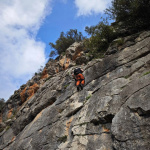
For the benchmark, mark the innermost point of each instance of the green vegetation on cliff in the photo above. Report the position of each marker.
(133, 14)
(102, 35)
(64, 41)
(2, 102)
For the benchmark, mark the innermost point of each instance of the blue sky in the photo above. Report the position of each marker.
(28, 26)
(63, 18)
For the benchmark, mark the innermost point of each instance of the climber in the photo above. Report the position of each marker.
(79, 78)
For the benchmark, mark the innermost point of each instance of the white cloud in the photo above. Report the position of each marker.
(20, 53)
(88, 7)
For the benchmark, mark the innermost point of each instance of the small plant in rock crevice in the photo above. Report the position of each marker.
(88, 97)
(62, 139)
(66, 86)
(146, 73)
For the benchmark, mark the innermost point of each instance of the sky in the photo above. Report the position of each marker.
(27, 27)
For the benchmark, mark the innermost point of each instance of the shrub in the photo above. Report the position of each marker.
(62, 139)
(2, 103)
(101, 36)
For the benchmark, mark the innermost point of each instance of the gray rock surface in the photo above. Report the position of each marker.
(112, 112)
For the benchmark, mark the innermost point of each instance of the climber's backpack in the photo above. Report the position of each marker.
(77, 71)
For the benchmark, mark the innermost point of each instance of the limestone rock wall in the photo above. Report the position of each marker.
(112, 112)
(26, 91)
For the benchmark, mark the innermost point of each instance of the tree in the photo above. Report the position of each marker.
(64, 41)
(132, 13)
(2, 102)
(52, 54)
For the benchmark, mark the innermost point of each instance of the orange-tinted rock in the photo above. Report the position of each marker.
(64, 62)
(13, 138)
(32, 90)
(44, 74)
(66, 65)
(68, 124)
(61, 62)
(77, 54)
(9, 115)
(22, 95)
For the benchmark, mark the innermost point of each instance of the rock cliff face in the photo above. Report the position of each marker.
(112, 112)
